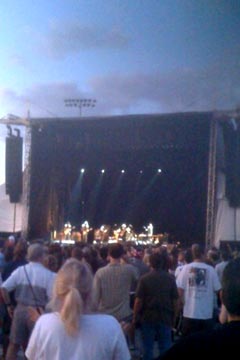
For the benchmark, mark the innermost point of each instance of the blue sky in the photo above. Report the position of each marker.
(132, 56)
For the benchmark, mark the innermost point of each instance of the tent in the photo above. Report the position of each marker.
(10, 214)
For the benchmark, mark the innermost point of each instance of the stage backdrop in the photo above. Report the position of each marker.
(173, 200)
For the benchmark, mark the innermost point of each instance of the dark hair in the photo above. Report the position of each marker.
(225, 254)
(188, 256)
(20, 250)
(8, 253)
(77, 253)
(231, 287)
(103, 251)
(157, 261)
(50, 262)
(116, 251)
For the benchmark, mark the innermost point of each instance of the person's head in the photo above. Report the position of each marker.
(50, 262)
(188, 256)
(20, 250)
(103, 251)
(77, 253)
(231, 287)
(157, 261)
(36, 252)
(72, 293)
(181, 256)
(8, 253)
(116, 251)
(11, 240)
(197, 251)
(225, 255)
(213, 256)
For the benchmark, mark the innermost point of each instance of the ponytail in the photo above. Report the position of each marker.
(72, 293)
(71, 311)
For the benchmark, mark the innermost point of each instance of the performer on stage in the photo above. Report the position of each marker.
(67, 230)
(85, 230)
(150, 230)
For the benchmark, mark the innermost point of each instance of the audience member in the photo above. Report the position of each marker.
(222, 340)
(112, 285)
(156, 306)
(70, 332)
(33, 287)
(225, 257)
(197, 284)
(19, 259)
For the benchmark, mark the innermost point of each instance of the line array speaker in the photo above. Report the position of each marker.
(13, 167)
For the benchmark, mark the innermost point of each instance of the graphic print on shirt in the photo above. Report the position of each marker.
(198, 277)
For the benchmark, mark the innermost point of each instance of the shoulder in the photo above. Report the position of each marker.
(101, 321)
(193, 344)
(45, 318)
(43, 270)
(146, 277)
(129, 267)
(100, 318)
(185, 268)
(102, 270)
(47, 323)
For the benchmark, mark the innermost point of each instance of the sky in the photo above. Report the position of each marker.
(132, 56)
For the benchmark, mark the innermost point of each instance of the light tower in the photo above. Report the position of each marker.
(80, 103)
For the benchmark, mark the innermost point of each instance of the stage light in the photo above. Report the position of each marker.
(82, 171)
(80, 103)
(141, 171)
(102, 171)
(159, 170)
(123, 171)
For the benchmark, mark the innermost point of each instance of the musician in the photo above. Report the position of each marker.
(105, 231)
(67, 230)
(123, 232)
(150, 230)
(85, 230)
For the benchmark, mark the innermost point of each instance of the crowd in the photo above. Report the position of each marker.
(116, 301)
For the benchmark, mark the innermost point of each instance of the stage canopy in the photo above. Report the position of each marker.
(165, 178)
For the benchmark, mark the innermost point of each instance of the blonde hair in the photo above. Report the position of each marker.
(72, 293)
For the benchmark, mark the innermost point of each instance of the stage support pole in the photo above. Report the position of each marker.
(14, 217)
(211, 189)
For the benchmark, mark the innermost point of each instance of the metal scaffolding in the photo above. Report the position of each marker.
(26, 182)
(211, 189)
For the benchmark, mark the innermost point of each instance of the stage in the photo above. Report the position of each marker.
(122, 169)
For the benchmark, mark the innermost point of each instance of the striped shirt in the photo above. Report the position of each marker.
(111, 289)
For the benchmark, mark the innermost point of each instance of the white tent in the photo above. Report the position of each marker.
(10, 214)
(228, 218)
(227, 221)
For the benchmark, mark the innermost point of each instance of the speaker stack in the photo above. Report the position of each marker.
(13, 166)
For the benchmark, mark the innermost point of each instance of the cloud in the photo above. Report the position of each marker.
(69, 38)
(215, 88)
(42, 100)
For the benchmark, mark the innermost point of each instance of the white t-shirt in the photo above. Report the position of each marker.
(178, 270)
(41, 279)
(100, 337)
(199, 282)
